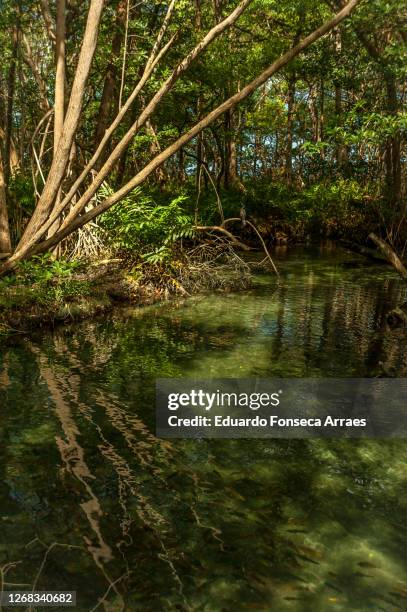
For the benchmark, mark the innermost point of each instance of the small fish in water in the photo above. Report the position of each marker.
(333, 586)
(367, 564)
(362, 575)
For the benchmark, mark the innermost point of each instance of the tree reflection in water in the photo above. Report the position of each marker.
(92, 501)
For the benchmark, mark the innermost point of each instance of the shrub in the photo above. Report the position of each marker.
(140, 226)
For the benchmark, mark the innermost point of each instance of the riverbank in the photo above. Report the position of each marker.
(78, 433)
(48, 292)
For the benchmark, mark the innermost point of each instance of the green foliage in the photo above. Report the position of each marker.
(324, 201)
(364, 128)
(335, 207)
(21, 191)
(42, 268)
(42, 280)
(140, 226)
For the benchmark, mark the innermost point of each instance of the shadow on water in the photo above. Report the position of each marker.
(91, 501)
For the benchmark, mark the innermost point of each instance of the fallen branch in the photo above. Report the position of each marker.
(222, 230)
(260, 238)
(390, 255)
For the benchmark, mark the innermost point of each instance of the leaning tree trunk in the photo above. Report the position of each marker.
(398, 316)
(45, 213)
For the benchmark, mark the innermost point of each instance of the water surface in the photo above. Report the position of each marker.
(91, 501)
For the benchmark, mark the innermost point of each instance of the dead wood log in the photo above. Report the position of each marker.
(398, 316)
(390, 255)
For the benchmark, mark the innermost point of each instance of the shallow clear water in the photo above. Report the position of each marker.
(91, 501)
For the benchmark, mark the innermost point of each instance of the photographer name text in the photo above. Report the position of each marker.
(258, 421)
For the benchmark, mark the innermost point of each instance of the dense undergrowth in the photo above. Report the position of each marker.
(341, 208)
(153, 251)
(49, 291)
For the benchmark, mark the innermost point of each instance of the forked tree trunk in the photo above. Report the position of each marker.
(60, 161)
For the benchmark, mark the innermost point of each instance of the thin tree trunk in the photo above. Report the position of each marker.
(59, 103)
(14, 157)
(5, 242)
(11, 82)
(341, 153)
(289, 142)
(155, 149)
(199, 144)
(181, 166)
(393, 147)
(32, 64)
(112, 74)
(313, 108)
(230, 172)
(48, 21)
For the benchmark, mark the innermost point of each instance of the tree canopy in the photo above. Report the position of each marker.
(284, 102)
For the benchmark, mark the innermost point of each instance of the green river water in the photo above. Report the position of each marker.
(91, 501)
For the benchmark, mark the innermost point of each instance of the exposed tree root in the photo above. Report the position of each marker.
(259, 237)
(234, 240)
